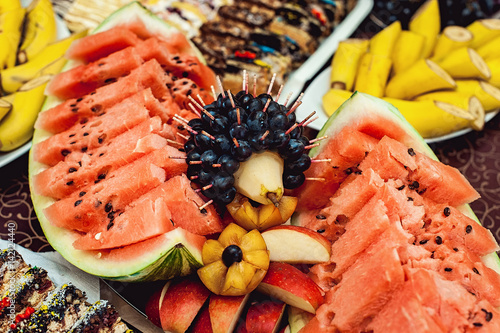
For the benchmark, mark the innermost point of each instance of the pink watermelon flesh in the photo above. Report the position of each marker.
(91, 207)
(139, 221)
(345, 150)
(86, 78)
(177, 64)
(177, 192)
(66, 114)
(93, 134)
(81, 169)
(100, 45)
(379, 271)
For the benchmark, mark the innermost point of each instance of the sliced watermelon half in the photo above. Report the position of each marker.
(174, 253)
(378, 118)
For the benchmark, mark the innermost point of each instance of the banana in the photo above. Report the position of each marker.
(17, 127)
(427, 22)
(465, 63)
(10, 34)
(488, 95)
(333, 99)
(483, 31)
(383, 42)
(452, 37)
(13, 78)
(345, 62)
(8, 5)
(373, 72)
(40, 29)
(424, 76)
(432, 118)
(407, 50)
(5, 106)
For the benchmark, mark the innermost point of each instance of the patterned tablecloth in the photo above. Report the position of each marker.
(476, 154)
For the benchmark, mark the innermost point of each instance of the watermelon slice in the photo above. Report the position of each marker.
(408, 236)
(92, 182)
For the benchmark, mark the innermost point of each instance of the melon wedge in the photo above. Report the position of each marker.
(174, 253)
(377, 118)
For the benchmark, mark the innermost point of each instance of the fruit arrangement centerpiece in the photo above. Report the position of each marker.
(139, 173)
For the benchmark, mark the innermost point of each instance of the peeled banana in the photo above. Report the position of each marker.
(13, 78)
(17, 126)
(40, 30)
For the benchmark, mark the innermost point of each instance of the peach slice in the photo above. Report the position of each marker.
(293, 244)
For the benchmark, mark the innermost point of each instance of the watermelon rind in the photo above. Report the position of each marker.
(136, 11)
(361, 106)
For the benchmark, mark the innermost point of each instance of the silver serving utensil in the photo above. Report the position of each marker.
(129, 313)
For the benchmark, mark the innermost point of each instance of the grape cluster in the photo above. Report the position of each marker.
(230, 130)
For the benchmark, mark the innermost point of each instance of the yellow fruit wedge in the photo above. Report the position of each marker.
(431, 118)
(407, 50)
(427, 22)
(424, 76)
(373, 73)
(494, 66)
(333, 99)
(452, 38)
(464, 101)
(490, 50)
(383, 42)
(488, 95)
(483, 31)
(345, 62)
(465, 63)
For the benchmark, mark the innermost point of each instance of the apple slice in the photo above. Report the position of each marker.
(225, 312)
(297, 318)
(181, 303)
(265, 316)
(294, 244)
(202, 324)
(152, 309)
(288, 284)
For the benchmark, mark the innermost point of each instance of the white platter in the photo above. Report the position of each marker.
(298, 78)
(6, 158)
(312, 101)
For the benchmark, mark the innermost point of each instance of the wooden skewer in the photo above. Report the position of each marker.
(196, 112)
(195, 102)
(195, 162)
(310, 121)
(177, 157)
(318, 139)
(291, 128)
(307, 118)
(236, 143)
(266, 133)
(202, 102)
(288, 98)
(208, 134)
(209, 115)
(267, 105)
(321, 160)
(255, 85)
(216, 165)
(230, 98)
(213, 92)
(246, 82)
(183, 136)
(244, 79)
(193, 177)
(207, 187)
(175, 142)
(271, 84)
(311, 146)
(206, 204)
(279, 93)
(184, 120)
(219, 83)
(318, 179)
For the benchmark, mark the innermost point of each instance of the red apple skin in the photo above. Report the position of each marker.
(265, 316)
(202, 323)
(181, 303)
(225, 312)
(152, 309)
(282, 278)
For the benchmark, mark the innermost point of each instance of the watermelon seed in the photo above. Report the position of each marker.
(432, 254)
(96, 108)
(83, 121)
(74, 110)
(341, 219)
(110, 80)
(488, 315)
(321, 217)
(320, 231)
(455, 249)
(65, 152)
(176, 58)
(439, 240)
(100, 64)
(111, 215)
(468, 229)
(77, 202)
(72, 142)
(101, 154)
(71, 170)
(411, 152)
(81, 194)
(101, 138)
(72, 105)
(84, 149)
(423, 241)
(71, 135)
(448, 269)
(70, 183)
(98, 203)
(110, 224)
(80, 163)
(401, 188)
(414, 185)
(108, 207)
(171, 221)
(410, 199)
(446, 211)
(85, 134)
(422, 191)
(474, 269)
(185, 74)
(335, 167)
(79, 99)
(477, 324)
